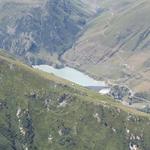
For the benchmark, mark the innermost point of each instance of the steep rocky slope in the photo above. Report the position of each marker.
(40, 30)
(41, 112)
(116, 45)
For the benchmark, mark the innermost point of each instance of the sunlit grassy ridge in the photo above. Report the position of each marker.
(41, 111)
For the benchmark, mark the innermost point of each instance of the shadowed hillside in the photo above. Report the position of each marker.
(38, 31)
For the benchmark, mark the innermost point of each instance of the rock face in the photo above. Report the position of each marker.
(51, 26)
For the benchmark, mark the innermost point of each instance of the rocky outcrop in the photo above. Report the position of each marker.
(120, 92)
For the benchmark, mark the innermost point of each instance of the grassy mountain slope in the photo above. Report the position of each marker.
(116, 45)
(41, 112)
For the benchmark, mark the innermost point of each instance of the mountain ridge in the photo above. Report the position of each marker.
(40, 111)
(107, 39)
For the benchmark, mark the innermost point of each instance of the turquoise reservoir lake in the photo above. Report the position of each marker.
(72, 75)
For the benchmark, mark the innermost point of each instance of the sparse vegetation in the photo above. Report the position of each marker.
(115, 45)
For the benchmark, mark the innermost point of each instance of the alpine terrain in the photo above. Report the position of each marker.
(104, 43)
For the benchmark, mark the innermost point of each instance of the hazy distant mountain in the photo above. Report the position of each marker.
(116, 45)
(36, 29)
